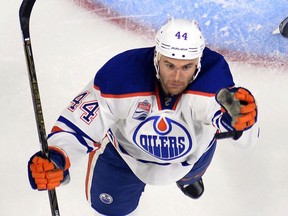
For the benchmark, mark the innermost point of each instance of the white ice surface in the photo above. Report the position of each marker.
(69, 45)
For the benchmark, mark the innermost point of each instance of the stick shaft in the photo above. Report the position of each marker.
(24, 15)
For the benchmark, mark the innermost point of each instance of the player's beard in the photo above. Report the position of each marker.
(172, 88)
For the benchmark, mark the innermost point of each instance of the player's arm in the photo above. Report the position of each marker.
(78, 131)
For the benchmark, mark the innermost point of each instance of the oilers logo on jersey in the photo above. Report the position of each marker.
(168, 139)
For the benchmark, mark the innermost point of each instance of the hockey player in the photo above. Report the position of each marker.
(149, 116)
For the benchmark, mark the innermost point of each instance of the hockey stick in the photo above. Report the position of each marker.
(224, 135)
(24, 15)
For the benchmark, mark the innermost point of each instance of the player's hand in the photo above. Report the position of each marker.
(238, 107)
(47, 174)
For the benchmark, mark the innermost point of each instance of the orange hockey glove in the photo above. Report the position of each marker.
(47, 174)
(238, 107)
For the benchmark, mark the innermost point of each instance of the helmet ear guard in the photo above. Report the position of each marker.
(179, 39)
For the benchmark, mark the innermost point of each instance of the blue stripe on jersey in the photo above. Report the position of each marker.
(215, 118)
(79, 134)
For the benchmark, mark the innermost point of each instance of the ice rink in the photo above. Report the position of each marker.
(69, 45)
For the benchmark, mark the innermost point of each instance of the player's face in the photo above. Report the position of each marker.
(176, 74)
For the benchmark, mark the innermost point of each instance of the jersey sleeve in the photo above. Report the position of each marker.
(214, 76)
(83, 124)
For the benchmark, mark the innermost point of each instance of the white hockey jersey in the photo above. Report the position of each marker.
(153, 134)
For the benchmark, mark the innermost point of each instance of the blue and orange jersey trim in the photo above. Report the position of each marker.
(128, 95)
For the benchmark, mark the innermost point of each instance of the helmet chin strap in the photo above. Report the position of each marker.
(157, 57)
(197, 70)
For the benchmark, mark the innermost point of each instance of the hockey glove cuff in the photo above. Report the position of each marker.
(47, 174)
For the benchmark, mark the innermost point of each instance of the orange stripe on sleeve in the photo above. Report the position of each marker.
(56, 129)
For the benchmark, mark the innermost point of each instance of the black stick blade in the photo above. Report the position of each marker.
(283, 27)
(24, 16)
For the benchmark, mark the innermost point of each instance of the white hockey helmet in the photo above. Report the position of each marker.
(179, 39)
